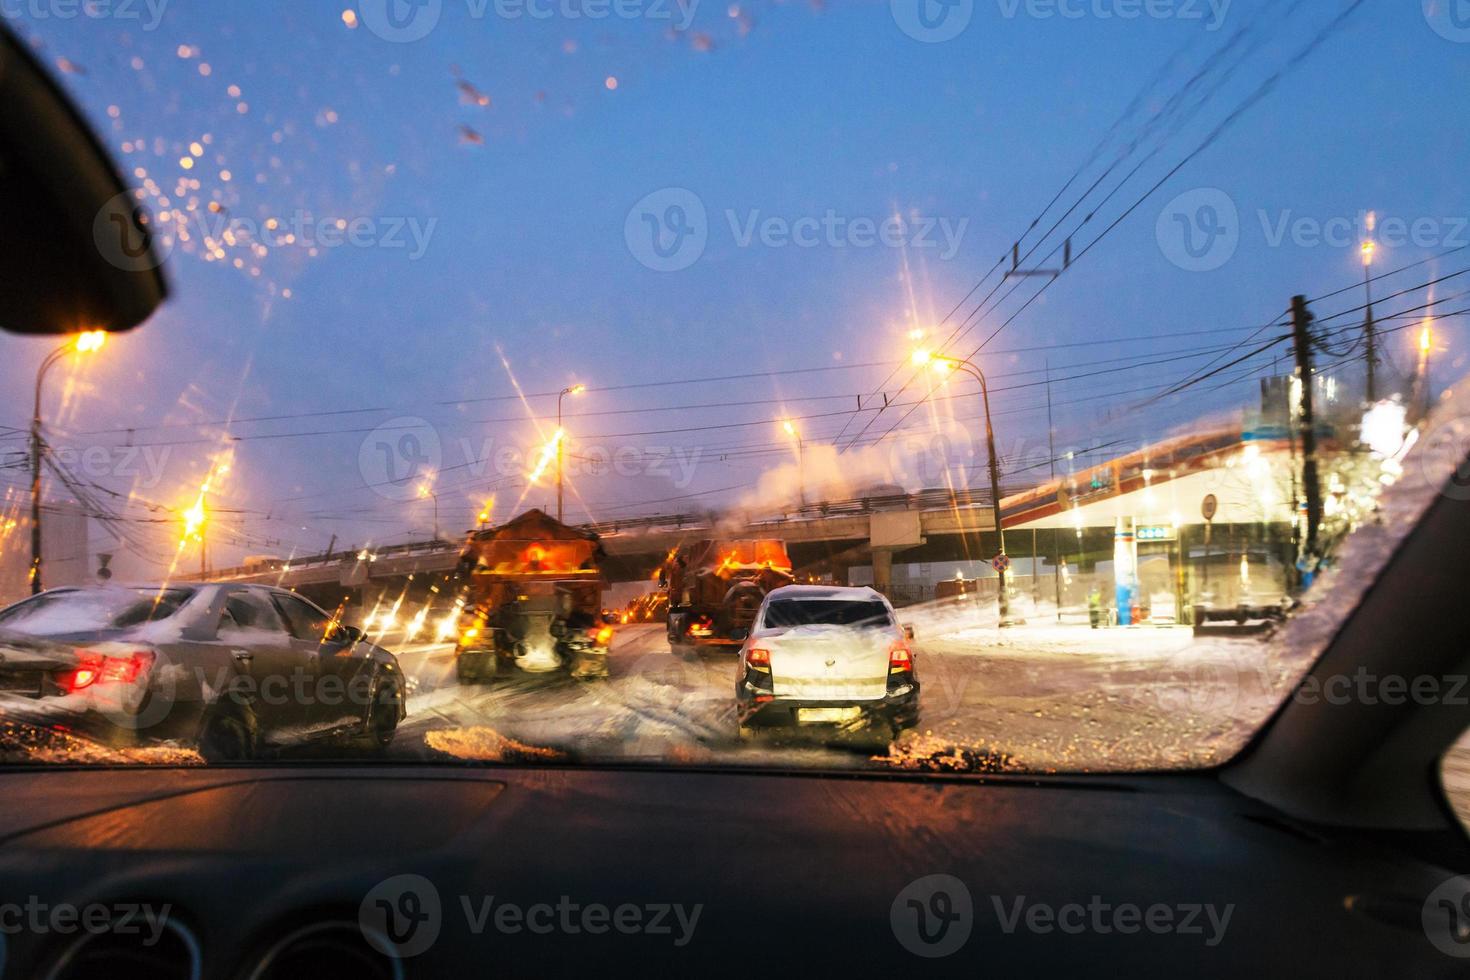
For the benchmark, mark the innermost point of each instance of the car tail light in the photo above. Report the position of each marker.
(73, 681)
(128, 668)
(112, 669)
(601, 637)
(900, 657)
(758, 657)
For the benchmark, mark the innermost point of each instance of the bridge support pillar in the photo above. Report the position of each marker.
(883, 571)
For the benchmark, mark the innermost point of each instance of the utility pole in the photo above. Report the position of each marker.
(1051, 451)
(1301, 327)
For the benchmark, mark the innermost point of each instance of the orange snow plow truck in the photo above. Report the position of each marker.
(532, 599)
(716, 587)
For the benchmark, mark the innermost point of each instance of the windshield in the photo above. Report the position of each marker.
(783, 613)
(65, 611)
(509, 345)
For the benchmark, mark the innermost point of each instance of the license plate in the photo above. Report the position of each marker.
(827, 716)
(22, 684)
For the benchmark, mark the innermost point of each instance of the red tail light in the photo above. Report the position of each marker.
(75, 680)
(94, 667)
(900, 657)
(602, 637)
(758, 657)
(127, 669)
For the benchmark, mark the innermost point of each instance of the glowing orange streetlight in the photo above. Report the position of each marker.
(426, 492)
(789, 427)
(1424, 395)
(196, 518)
(1369, 250)
(940, 363)
(576, 389)
(88, 342)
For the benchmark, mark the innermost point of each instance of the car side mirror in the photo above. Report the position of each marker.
(739, 635)
(908, 632)
(346, 635)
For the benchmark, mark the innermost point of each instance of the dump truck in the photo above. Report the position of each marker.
(715, 587)
(532, 600)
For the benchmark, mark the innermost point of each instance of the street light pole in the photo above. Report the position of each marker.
(561, 441)
(961, 364)
(795, 433)
(1423, 399)
(427, 492)
(85, 343)
(1370, 332)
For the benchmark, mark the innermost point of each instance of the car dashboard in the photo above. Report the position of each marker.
(342, 871)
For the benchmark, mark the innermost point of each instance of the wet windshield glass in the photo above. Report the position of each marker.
(536, 349)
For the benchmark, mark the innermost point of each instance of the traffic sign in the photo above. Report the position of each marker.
(1001, 563)
(1210, 507)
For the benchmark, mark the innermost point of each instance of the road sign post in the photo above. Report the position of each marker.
(1208, 509)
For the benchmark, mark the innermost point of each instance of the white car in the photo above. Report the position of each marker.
(827, 659)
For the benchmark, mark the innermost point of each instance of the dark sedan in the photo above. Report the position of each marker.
(235, 670)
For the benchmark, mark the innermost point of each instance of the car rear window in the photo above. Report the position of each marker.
(58, 613)
(784, 613)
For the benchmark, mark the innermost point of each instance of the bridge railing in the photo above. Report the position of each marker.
(856, 506)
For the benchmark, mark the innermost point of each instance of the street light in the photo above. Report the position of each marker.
(1425, 399)
(196, 518)
(791, 430)
(925, 358)
(561, 444)
(1370, 248)
(196, 523)
(86, 343)
(426, 492)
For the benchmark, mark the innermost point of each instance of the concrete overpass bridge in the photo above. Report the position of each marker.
(1072, 517)
(824, 540)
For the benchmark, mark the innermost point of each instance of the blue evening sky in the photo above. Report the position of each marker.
(761, 110)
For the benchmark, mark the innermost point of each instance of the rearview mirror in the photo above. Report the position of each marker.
(77, 248)
(908, 632)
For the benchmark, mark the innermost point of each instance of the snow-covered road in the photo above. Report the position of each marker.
(1034, 697)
